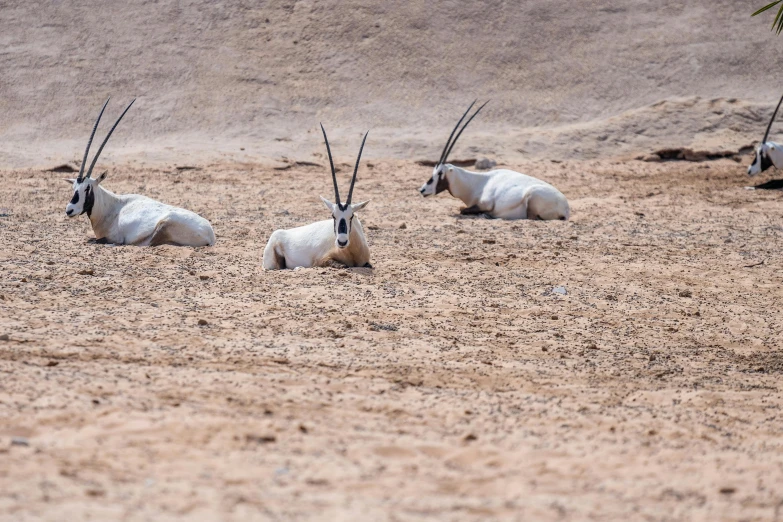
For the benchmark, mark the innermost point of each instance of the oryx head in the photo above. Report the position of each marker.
(84, 185)
(762, 160)
(438, 182)
(342, 214)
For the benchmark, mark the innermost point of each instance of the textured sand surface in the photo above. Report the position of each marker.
(449, 382)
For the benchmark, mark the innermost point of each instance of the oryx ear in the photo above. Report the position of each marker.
(328, 204)
(359, 206)
(101, 177)
(70, 180)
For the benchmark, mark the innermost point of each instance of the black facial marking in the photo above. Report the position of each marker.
(75, 198)
(766, 161)
(89, 201)
(429, 181)
(342, 228)
(443, 184)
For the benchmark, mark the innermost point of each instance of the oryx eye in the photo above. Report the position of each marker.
(429, 181)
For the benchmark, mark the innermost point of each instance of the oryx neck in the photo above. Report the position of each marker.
(464, 184)
(104, 211)
(775, 154)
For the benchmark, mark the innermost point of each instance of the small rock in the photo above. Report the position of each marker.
(469, 437)
(728, 490)
(24, 279)
(50, 262)
(560, 290)
(686, 293)
(52, 363)
(303, 429)
(203, 277)
(261, 439)
(485, 164)
(87, 271)
(5, 337)
(403, 226)
(489, 241)
(202, 322)
(20, 441)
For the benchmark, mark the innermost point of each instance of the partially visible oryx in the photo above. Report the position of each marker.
(132, 219)
(768, 154)
(338, 242)
(498, 193)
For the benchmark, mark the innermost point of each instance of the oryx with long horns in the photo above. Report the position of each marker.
(768, 154)
(131, 219)
(500, 193)
(338, 242)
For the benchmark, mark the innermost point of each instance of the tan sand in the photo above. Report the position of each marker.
(448, 383)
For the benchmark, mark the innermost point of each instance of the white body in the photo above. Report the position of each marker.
(314, 245)
(503, 194)
(132, 219)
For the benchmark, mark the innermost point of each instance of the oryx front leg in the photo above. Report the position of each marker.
(472, 210)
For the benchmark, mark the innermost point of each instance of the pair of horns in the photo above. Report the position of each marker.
(334, 175)
(81, 176)
(450, 144)
(766, 134)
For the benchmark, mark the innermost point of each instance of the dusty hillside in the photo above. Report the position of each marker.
(215, 78)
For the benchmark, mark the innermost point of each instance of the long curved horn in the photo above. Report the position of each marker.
(766, 134)
(79, 178)
(446, 147)
(95, 159)
(462, 129)
(356, 169)
(331, 164)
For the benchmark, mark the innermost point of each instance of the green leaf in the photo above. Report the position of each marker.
(766, 7)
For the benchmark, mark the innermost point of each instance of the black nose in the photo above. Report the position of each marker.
(342, 243)
(68, 212)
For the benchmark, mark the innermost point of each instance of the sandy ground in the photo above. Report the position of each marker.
(449, 382)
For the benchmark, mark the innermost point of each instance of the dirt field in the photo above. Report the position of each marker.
(449, 382)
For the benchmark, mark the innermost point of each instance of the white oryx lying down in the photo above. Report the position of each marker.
(338, 242)
(132, 219)
(501, 193)
(768, 154)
